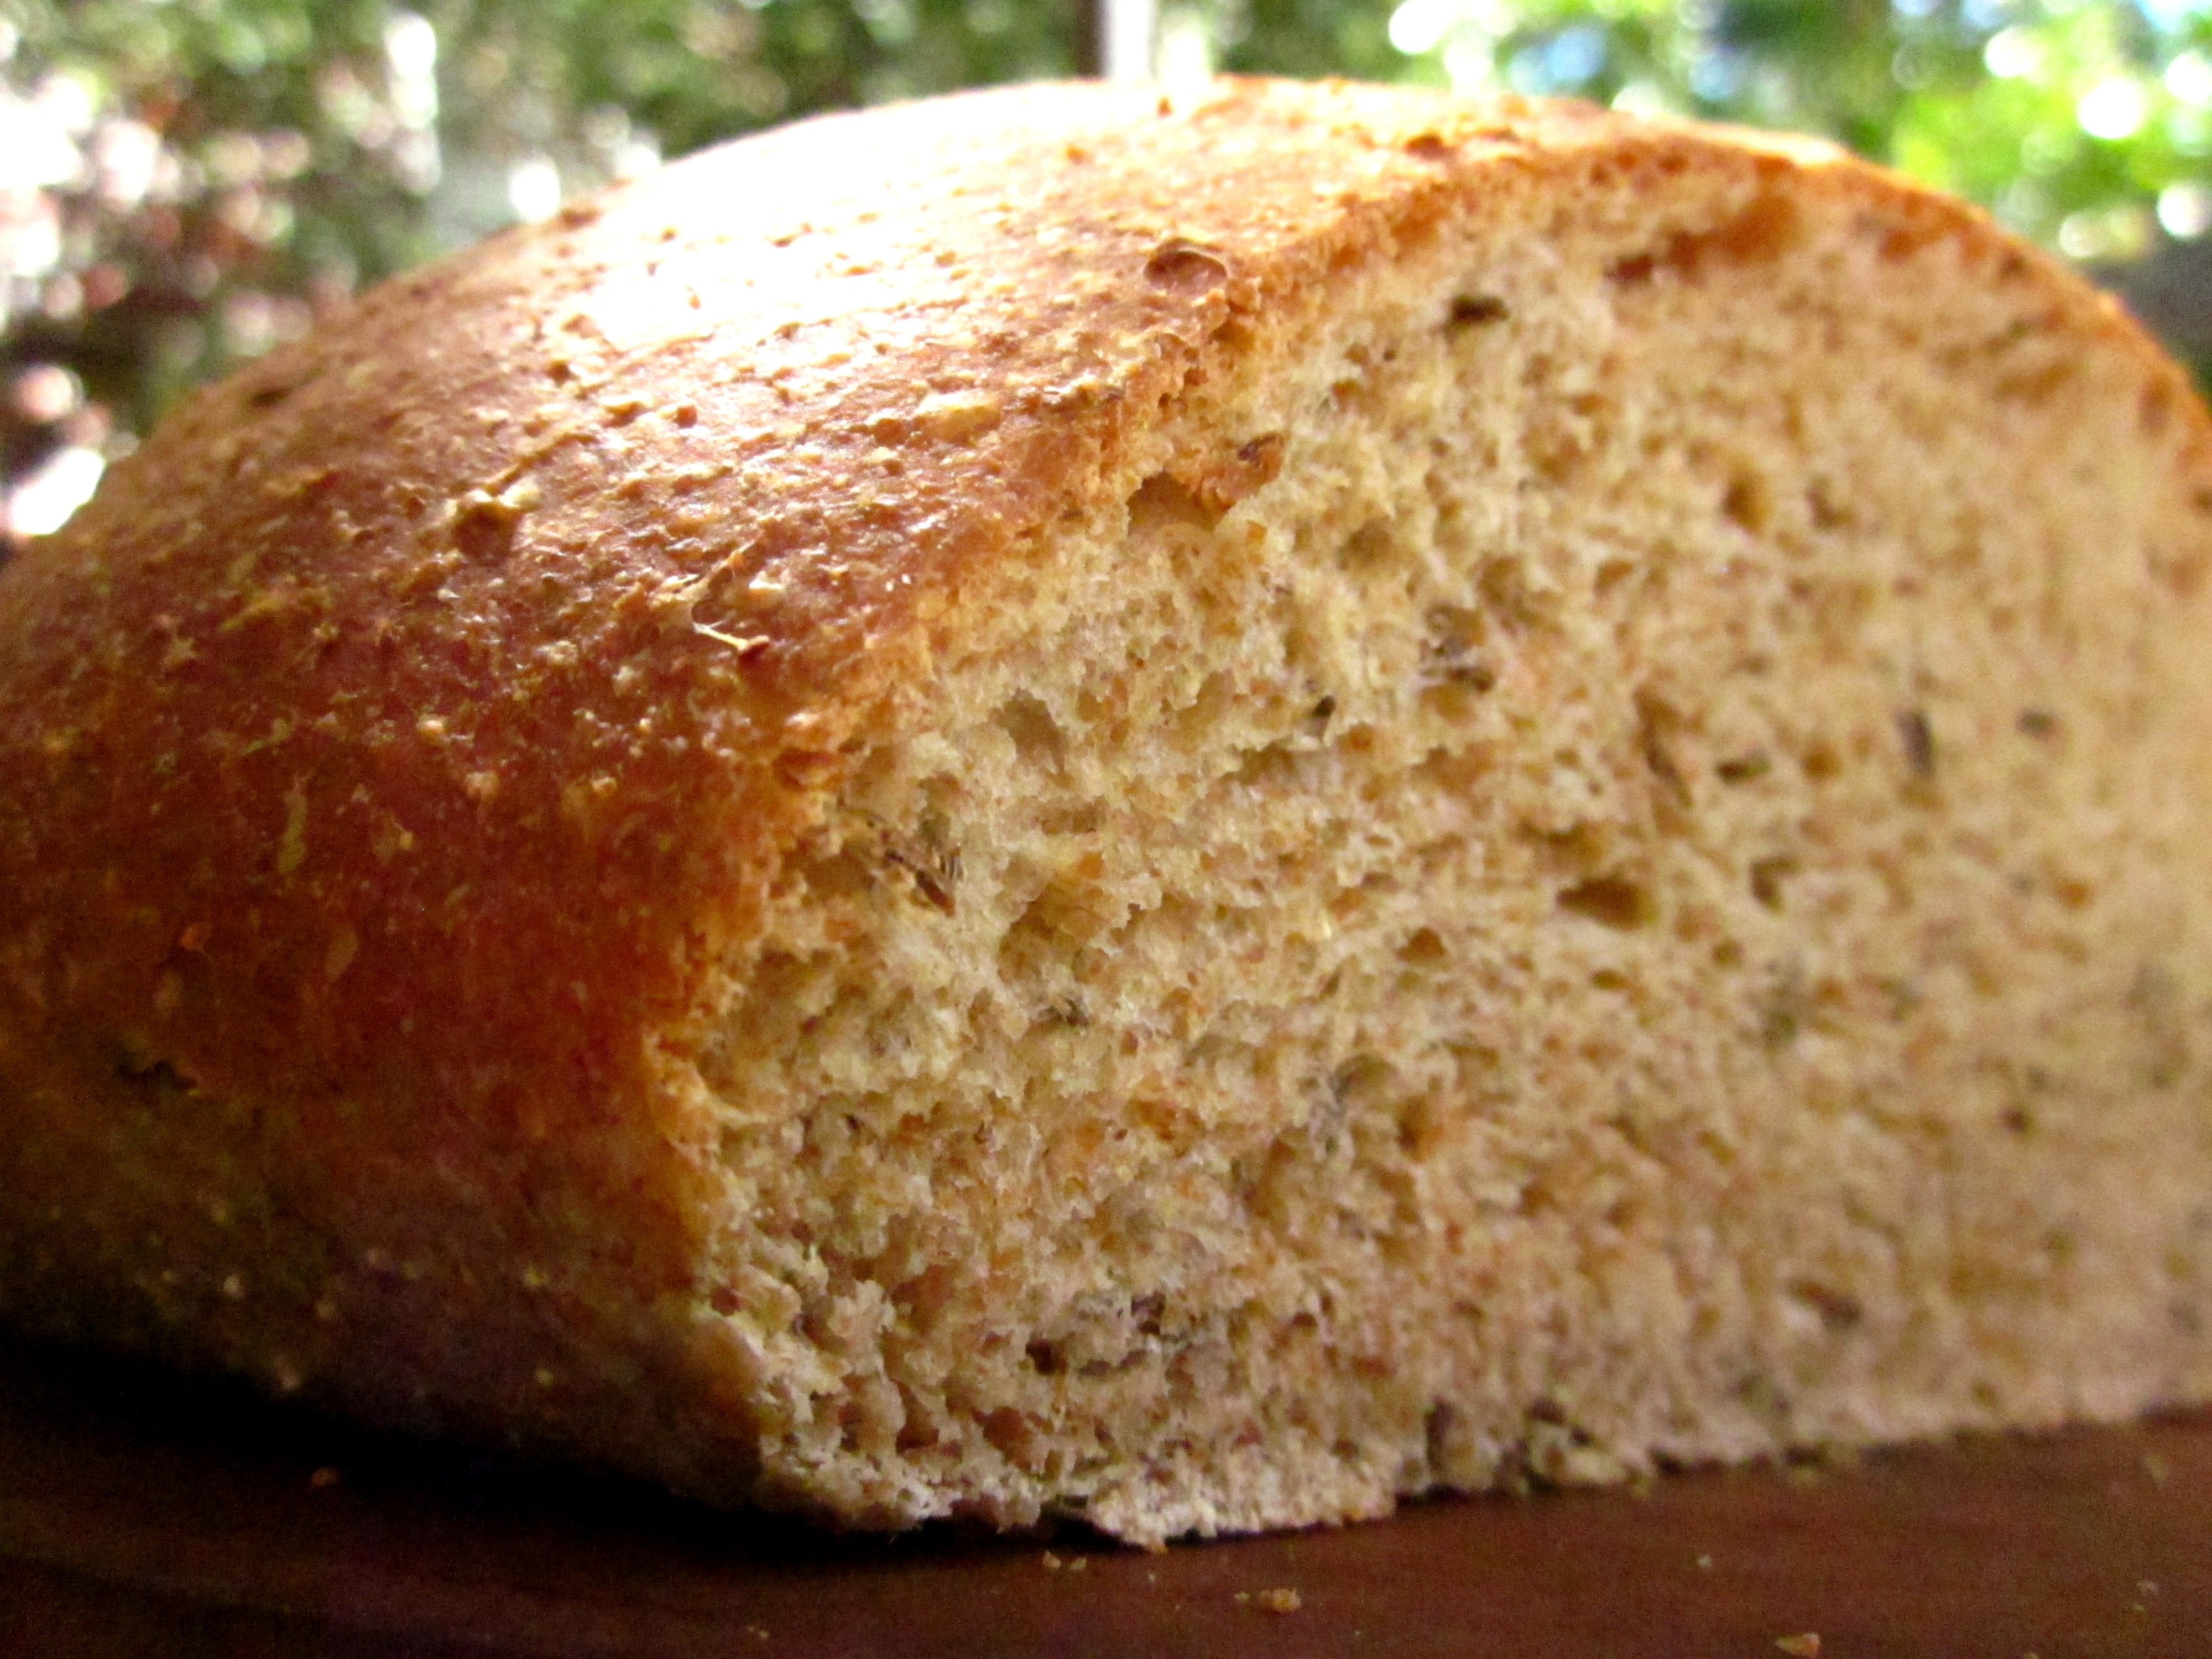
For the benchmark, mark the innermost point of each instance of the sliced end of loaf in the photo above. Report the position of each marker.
(1597, 859)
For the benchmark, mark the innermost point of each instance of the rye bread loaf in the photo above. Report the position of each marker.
(1195, 811)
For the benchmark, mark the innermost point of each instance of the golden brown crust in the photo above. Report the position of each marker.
(391, 752)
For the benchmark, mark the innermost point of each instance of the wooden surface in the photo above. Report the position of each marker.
(143, 1516)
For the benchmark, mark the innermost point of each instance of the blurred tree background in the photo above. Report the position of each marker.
(184, 183)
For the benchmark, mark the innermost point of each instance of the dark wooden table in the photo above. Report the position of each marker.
(140, 1514)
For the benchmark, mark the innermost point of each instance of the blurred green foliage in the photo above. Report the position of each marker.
(185, 182)
(2082, 122)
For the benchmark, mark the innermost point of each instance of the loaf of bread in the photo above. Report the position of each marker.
(1191, 812)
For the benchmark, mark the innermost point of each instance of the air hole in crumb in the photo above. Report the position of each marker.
(1745, 767)
(1784, 1009)
(917, 1432)
(1146, 1311)
(1374, 542)
(1918, 738)
(1037, 737)
(1475, 310)
(1826, 511)
(1010, 1430)
(1748, 503)
(1164, 500)
(1199, 723)
(1581, 849)
(1065, 916)
(1767, 876)
(1611, 900)
(1632, 272)
(1045, 1357)
(1358, 1078)
(1425, 949)
(1438, 1428)
(1453, 701)
(1508, 594)
(1076, 818)
(1275, 763)
(1838, 1310)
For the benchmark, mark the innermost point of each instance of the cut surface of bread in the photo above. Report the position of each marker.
(1198, 811)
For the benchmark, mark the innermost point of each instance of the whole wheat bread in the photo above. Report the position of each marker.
(1196, 811)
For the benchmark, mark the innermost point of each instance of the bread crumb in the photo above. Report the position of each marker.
(323, 1479)
(1804, 1646)
(1281, 1600)
(1704, 1563)
(2157, 1468)
(1052, 1563)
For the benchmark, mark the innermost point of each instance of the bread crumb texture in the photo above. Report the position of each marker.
(1191, 813)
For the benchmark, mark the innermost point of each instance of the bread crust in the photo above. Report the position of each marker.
(394, 753)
